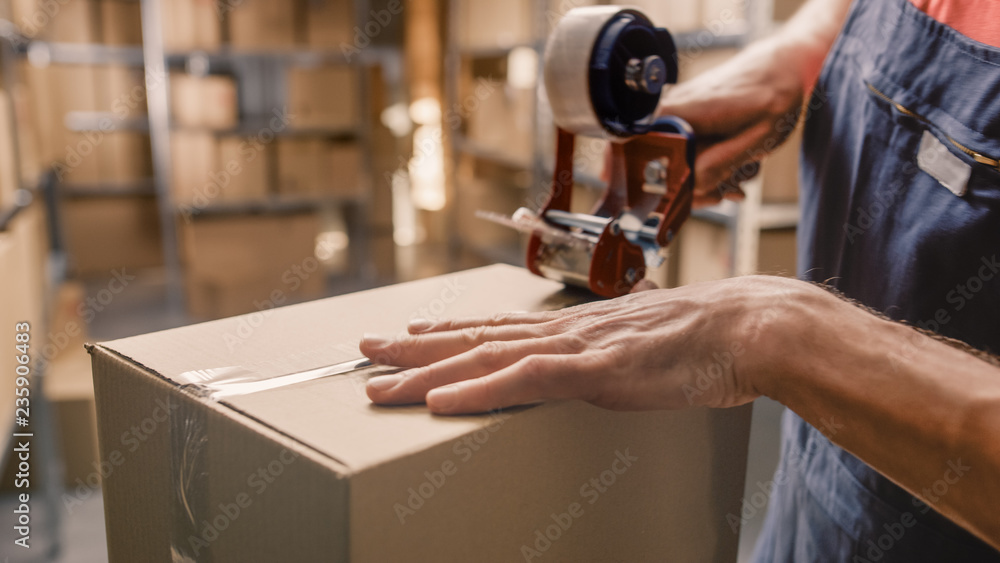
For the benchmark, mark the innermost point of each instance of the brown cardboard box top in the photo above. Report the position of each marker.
(675, 475)
(305, 337)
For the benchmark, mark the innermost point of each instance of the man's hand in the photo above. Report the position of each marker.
(743, 110)
(657, 349)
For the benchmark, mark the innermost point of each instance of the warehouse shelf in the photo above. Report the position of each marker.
(726, 213)
(106, 121)
(8, 214)
(771, 216)
(43, 53)
(580, 178)
(252, 127)
(475, 149)
(496, 52)
(775, 216)
(263, 207)
(291, 56)
(108, 189)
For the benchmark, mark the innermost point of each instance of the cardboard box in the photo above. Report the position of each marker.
(496, 24)
(264, 24)
(724, 16)
(121, 90)
(67, 21)
(504, 122)
(323, 97)
(345, 163)
(316, 472)
(23, 286)
(706, 252)
(781, 171)
(238, 264)
(103, 234)
(208, 169)
(248, 164)
(125, 157)
(195, 159)
(121, 22)
(69, 387)
(311, 168)
(9, 182)
(23, 247)
(209, 102)
(303, 171)
(77, 161)
(329, 23)
(192, 24)
(777, 254)
(676, 15)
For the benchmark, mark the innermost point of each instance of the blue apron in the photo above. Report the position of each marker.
(878, 226)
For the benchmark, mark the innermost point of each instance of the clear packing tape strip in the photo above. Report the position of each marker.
(221, 383)
(190, 462)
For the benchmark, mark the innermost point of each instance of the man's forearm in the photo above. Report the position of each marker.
(916, 409)
(809, 35)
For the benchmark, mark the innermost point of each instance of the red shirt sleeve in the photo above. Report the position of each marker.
(976, 19)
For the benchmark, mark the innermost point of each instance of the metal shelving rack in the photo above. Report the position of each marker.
(744, 222)
(264, 71)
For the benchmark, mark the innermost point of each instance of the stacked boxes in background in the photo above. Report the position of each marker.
(244, 263)
(261, 25)
(88, 124)
(239, 163)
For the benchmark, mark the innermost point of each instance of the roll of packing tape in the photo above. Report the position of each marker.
(605, 68)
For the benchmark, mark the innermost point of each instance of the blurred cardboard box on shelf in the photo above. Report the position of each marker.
(706, 252)
(496, 24)
(504, 123)
(66, 21)
(243, 263)
(329, 23)
(209, 102)
(781, 171)
(208, 169)
(777, 254)
(724, 17)
(121, 90)
(9, 182)
(313, 168)
(264, 24)
(495, 191)
(57, 90)
(69, 386)
(109, 233)
(195, 159)
(23, 285)
(77, 160)
(126, 158)
(677, 16)
(323, 97)
(121, 22)
(334, 478)
(249, 165)
(303, 171)
(96, 158)
(192, 24)
(345, 163)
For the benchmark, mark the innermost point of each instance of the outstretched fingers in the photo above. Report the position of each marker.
(425, 349)
(424, 326)
(413, 385)
(533, 378)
